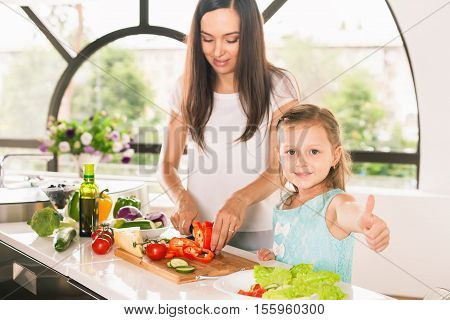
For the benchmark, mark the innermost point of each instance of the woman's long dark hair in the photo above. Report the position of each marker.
(252, 74)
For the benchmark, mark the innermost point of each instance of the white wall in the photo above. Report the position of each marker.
(419, 255)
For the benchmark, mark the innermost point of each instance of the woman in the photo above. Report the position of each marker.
(225, 108)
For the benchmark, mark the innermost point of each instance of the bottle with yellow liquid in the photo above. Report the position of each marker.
(88, 206)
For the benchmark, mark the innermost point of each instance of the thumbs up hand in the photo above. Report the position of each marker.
(367, 218)
(374, 228)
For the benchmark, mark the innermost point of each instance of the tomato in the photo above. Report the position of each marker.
(107, 236)
(203, 234)
(101, 245)
(156, 251)
(103, 230)
(199, 254)
(95, 233)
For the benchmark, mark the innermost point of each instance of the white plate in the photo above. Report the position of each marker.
(234, 282)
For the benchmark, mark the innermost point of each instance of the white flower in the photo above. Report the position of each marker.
(64, 146)
(86, 138)
(128, 153)
(117, 146)
(53, 130)
(62, 127)
(125, 138)
(77, 145)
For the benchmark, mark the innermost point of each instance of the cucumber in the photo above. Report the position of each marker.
(63, 238)
(175, 263)
(169, 265)
(271, 286)
(143, 224)
(185, 269)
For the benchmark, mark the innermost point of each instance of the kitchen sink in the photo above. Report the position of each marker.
(19, 200)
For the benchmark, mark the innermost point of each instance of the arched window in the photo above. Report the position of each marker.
(346, 55)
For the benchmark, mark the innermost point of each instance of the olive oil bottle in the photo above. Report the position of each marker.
(88, 206)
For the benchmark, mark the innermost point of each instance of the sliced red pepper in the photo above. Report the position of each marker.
(176, 245)
(199, 254)
(203, 234)
(181, 242)
(170, 254)
(198, 233)
(255, 291)
(207, 234)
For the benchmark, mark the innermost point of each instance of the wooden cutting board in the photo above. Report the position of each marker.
(222, 264)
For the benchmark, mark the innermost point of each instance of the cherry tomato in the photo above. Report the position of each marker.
(96, 233)
(156, 251)
(101, 245)
(107, 236)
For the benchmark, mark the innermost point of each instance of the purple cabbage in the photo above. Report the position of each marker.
(156, 217)
(129, 213)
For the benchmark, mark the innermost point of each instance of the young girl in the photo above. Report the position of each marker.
(313, 223)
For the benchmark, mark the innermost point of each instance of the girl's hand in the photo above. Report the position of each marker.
(228, 220)
(265, 254)
(374, 228)
(186, 212)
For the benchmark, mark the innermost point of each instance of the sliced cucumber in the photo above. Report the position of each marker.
(175, 263)
(169, 265)
(271, 286)
(185, 269)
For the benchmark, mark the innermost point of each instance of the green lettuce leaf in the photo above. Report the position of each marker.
(282, 293)
(298, 282)
(271, 275)
(301, 269)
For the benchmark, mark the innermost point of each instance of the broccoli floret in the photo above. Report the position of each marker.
(45, 221)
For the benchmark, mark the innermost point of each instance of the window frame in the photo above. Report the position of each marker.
(74, 63)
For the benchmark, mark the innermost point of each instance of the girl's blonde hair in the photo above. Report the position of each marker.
(311, 114)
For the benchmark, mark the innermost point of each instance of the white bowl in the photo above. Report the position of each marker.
(145, 234)
(153, 233)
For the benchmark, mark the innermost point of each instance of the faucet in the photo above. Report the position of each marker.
(48, 156)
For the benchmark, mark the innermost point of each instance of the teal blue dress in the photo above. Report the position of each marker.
(301, 235)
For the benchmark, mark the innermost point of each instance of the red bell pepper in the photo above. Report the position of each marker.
(255, 291)
(199, 254)
(203, 234)
(176, 246)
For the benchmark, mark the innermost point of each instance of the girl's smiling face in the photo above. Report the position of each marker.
(306, 154)
(220, 31)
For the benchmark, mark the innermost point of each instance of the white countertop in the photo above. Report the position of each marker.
(114, 278)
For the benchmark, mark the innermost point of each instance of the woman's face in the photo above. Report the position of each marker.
(306, 154)
(220, 39)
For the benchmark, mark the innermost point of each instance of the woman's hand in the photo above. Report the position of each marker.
(228, 220)
(373, 227)
(186, 212)
(265, 254)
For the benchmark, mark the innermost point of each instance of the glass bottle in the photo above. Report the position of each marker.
(88, 206)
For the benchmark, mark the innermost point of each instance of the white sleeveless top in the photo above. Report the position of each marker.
(227, 166)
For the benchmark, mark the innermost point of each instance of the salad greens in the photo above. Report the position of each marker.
(45, 221)
(297, 282)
